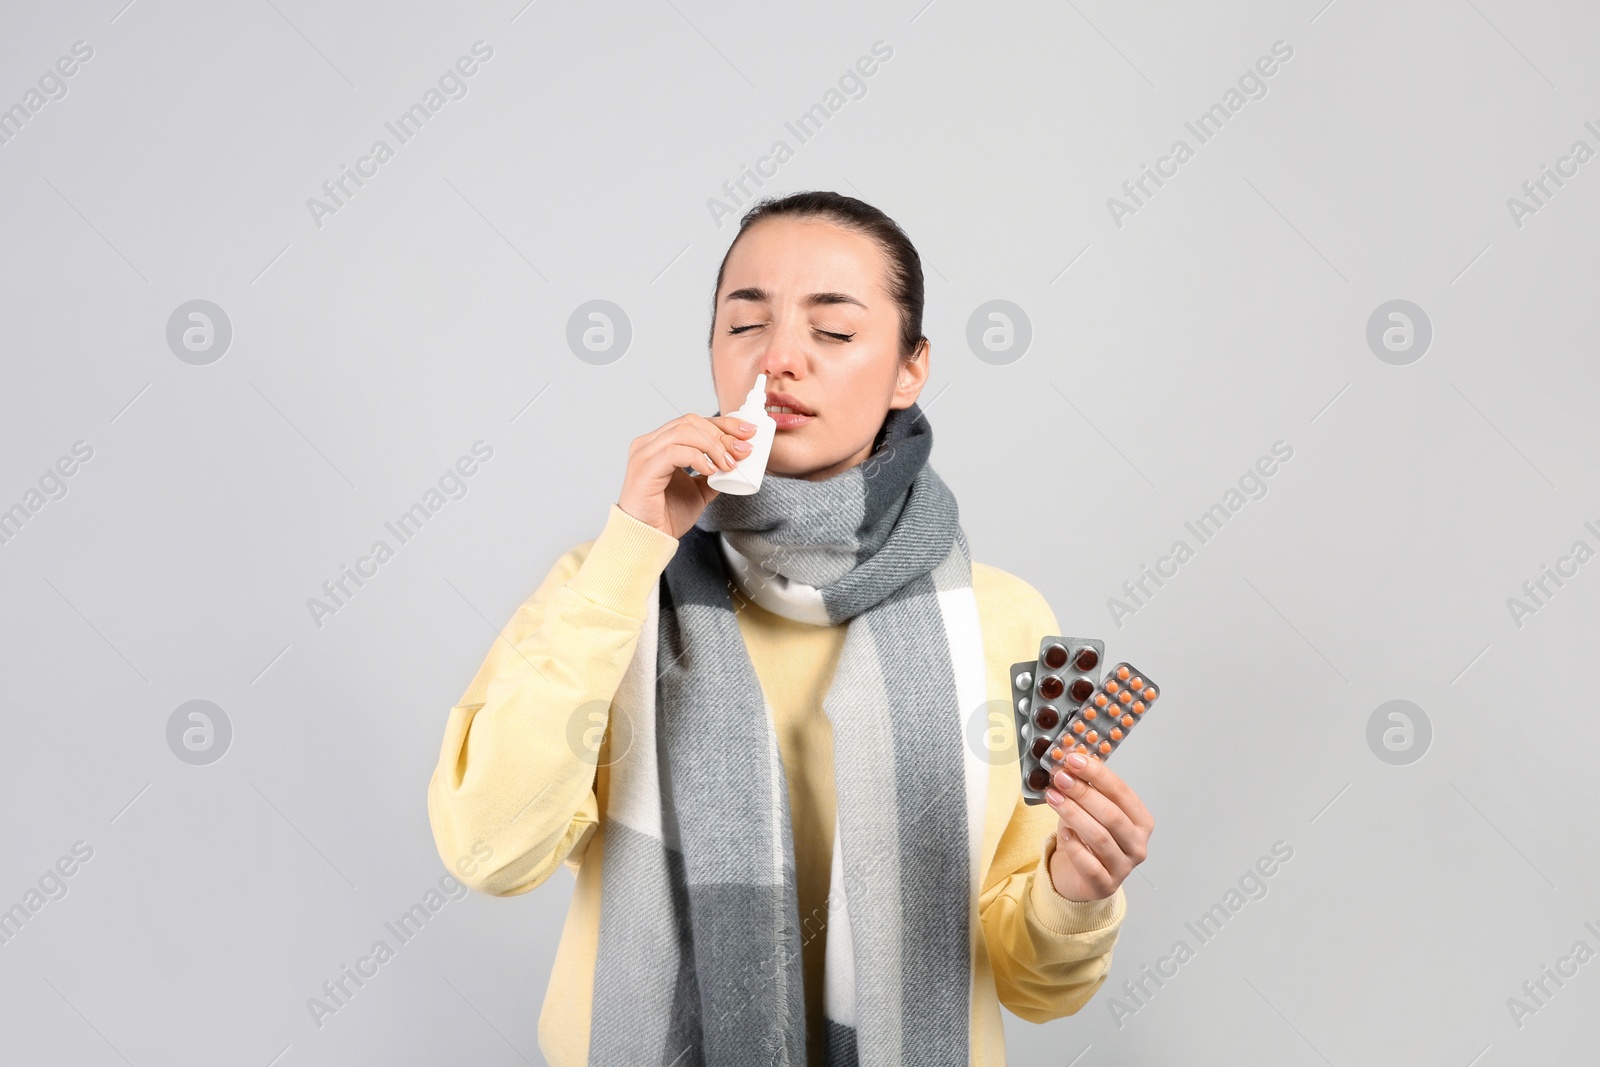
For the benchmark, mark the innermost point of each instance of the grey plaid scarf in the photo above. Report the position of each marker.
(699, 959)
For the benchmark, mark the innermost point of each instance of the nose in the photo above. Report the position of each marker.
(783, 356)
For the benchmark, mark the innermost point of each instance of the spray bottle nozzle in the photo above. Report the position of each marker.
(757, 397)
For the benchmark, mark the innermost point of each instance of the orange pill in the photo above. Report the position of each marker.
(1111, 687)
(1138, 705)
(1091, 737)
(1080, 748)
(1126, 720)
(1089, 713)
(1149, 694)
(1105, 746)
(1125, 696)
(1115, 734)
(1057, 755)
(1137, 683)
(1122, 673)
(1101, 700)
(1078, 727)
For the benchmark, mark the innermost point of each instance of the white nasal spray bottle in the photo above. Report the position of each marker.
(745, 478)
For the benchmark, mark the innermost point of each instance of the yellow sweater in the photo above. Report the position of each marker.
(511, 800)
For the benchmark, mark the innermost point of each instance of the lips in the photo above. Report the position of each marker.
(782, 400)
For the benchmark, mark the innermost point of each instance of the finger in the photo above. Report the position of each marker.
(1091, 834)
(692, 427)
(713, 434)
(663, 459)
(1130, 837)
(723, 451)
(1089, 867)
(731, 424)
(1109, 783)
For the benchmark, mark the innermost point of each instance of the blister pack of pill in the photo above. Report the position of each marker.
(1059, 708)
(1045, 695)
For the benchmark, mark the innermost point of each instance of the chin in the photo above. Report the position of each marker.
(791, 466)
(783, 460)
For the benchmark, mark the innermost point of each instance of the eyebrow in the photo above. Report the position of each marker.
(760, 295)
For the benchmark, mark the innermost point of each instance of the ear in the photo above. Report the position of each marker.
(911, 375)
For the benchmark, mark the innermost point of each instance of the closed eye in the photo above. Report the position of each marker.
(846, 337)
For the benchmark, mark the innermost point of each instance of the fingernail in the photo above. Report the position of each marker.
(741, 446)
(1077, 761)
(1053, 797)
(746, 427)
(1063, 782)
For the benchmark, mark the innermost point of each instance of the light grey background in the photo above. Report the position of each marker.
(431, 311)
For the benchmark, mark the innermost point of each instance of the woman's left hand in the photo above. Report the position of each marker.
(1102, 830)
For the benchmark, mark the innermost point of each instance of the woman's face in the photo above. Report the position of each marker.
(804, 302)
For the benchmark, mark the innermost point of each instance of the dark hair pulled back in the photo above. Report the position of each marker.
(904, 276)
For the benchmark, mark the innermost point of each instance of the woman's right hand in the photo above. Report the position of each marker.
(658, 491)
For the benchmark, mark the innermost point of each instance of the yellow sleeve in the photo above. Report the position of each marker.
(1049, 954)
(512, 796)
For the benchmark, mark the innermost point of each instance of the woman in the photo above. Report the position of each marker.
(760, 729)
